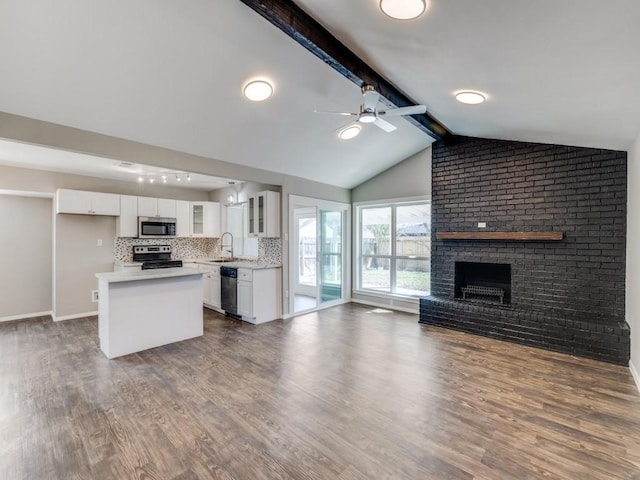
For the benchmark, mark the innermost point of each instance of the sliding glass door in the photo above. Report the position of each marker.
(319, 230)
(330, 255)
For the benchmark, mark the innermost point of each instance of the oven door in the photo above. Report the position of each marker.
(150, 227)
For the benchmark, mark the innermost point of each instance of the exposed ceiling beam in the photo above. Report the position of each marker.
(297, 24)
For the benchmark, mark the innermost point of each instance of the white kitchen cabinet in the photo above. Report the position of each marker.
(127, 222)
(211, 286)
(87, 203)
(216, 290)
(205, 219)
(245, 299)
(264, 215)
(259, 294)
(156, 207)
(182, 219)
(206, 288)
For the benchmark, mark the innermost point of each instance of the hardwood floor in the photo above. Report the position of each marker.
(350, 393)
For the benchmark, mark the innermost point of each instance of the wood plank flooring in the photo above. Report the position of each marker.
(350, 393)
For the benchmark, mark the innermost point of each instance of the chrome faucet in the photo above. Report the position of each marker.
(229, 247)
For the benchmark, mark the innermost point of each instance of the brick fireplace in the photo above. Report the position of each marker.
(564, 294)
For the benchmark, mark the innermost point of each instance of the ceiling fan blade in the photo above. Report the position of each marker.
(413, 110)
(336, 113)
(384, 125)
(371, 98)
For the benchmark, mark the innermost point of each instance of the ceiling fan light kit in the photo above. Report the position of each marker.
(403, 9)
(258, 90)
(369, 113)
(470, 97)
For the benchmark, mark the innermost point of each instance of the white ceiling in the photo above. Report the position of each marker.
(562, 72)
(40, 158)
(170, 74)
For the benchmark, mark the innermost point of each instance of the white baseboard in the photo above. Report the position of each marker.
(74, 316)
(25, 316)
(387, 306)
(634, 374)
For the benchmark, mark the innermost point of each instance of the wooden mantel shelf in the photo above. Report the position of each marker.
(517, 236)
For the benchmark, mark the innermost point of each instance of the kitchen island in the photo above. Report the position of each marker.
(143, 309)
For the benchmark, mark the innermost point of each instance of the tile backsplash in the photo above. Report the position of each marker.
(269, 249)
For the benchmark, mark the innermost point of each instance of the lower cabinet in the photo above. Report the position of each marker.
(211, 287)
(245, 298)
(259, 294)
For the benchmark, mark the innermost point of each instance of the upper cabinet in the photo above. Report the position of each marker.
(127, 222)
(264, 215)
(87, 203)
(183, 223)
(156, 207)
(205, 219)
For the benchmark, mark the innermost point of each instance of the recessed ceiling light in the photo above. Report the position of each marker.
(258, 90)
(403, 9)
(470, 97)
(140, 179)
(349, 132)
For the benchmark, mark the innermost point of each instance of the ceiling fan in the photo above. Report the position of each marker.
(369, 114)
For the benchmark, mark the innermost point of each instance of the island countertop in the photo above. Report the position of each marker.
(135, 275)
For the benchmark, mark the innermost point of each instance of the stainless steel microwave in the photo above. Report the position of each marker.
(156, 227)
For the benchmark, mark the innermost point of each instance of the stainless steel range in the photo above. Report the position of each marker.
(154, 256)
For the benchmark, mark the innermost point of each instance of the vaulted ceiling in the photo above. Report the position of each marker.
(170, 74)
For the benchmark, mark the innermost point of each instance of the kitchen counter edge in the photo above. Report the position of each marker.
(135, 275)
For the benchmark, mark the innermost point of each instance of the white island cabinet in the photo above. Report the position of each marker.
(143, 309)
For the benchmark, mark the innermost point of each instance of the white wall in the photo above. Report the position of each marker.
(632, 284)
(25, 256)
(409, 178)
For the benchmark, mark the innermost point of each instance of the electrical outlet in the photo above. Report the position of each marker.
(94, 296)
(482, 224)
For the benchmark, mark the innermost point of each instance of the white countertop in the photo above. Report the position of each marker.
(236, 264)
(134, 275)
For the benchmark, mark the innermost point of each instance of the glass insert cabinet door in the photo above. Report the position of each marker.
(330, 255)
(197, 219)
(251, 210)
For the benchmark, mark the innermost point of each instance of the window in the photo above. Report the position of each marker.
(395, 248)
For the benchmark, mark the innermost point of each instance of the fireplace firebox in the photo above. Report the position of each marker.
(483, 282)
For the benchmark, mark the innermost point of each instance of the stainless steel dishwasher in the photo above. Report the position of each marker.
(229, 290)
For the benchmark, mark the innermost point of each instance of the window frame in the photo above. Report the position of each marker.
(393, 257)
